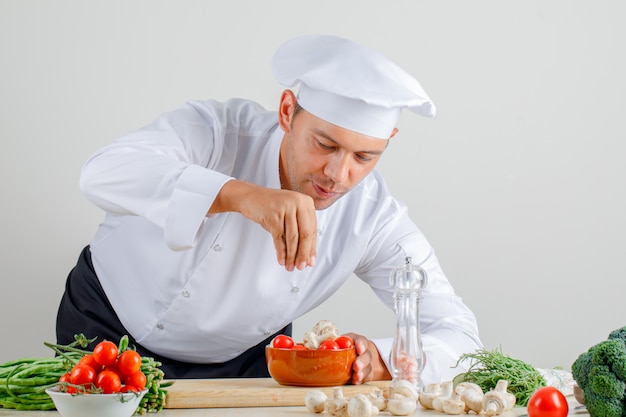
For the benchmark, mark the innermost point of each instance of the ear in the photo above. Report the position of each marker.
(395, 130)
(286, 109)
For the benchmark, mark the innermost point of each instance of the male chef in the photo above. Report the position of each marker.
(225, 222)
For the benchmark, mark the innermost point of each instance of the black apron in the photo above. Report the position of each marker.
(85, 309)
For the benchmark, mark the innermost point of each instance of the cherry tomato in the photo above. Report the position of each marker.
(547, 402)
(65, 388)
(299, 346)
(128, 362)
(344, 342)
(128, 388)
(283, 342)
(90, 361)
(329, 344)
(109, 382)
(105, 353)
(113, 367)
(137, 380)
(65, 377)
(82, 375)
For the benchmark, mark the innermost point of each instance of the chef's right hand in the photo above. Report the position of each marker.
(289, 216)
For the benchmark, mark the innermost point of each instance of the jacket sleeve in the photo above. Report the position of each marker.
(166, 172)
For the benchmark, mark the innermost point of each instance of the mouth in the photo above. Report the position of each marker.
(323, 193)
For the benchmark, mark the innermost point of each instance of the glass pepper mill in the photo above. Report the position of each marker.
(407, 356)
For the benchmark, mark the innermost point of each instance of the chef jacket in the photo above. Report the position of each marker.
(204, 289)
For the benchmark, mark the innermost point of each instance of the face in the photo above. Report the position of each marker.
(320, 159)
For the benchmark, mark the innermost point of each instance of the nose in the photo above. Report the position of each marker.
(338, 168)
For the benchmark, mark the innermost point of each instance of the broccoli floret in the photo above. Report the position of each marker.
(618, 334)
(612, 353)
(599, 406)
(605, 383)
(580, 369)
(601, 374)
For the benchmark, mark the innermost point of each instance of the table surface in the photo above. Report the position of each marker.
(245, 387)
(243, 412)
(271, 412)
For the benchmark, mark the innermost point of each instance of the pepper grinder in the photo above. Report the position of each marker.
(407, 356)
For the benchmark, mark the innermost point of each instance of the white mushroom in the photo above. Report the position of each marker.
(446, 390)
(502, 387)
(401, 406)
(322, 331)
(323, 326)
(462, 386)
(426, 397)
(342, 410)
(403, 397)
(310, 340)
(472, 395)
(314, 401)
(403, 388)
(378, 400)
(336, 403)
(494, 403)
(360, 406)
(453, 404)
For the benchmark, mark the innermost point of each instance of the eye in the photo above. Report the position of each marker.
(363, 157)
(324, 146)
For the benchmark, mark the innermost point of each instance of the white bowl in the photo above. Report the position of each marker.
(95, 405)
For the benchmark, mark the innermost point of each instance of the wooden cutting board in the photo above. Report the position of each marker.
(248, 392)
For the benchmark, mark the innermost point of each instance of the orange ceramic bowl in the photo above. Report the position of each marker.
(310, 368)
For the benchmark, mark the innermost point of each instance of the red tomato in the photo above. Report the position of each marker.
(547, 402)
(82, 375)
(299, 347)
(105, 353)
(109, 382)
(128, 388)
(128, 362)
(113, 367)
(90, 361)
(344, 342)
(329, 344)
(66, 378)
(283, 341)
(137, 380)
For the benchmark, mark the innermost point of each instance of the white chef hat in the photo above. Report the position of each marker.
(348, 84)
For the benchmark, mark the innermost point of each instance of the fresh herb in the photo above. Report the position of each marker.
(487, 367)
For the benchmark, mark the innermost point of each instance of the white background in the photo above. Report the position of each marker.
(518, 183)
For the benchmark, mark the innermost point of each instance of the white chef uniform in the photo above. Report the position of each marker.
(205, 289)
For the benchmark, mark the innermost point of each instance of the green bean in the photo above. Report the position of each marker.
(167, 383)
(19, 406)
(29, 373)
(30, 398)
(30, 382)
(18, 362)
(20, 389)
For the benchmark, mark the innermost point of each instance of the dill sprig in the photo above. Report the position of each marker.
(487, 367)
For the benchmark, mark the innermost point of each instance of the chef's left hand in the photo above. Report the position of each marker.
(368, 365)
